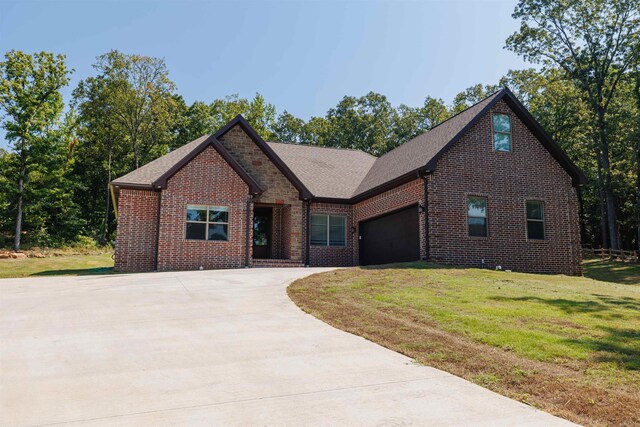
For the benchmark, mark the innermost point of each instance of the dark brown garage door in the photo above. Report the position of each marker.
(391, 238)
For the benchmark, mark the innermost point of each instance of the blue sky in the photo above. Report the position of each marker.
(303, 56)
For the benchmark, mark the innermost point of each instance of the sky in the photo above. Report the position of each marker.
(302, 56)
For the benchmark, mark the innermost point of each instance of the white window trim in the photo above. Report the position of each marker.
(328, 240)
(207, 222)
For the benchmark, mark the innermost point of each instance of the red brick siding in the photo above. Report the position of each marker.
(397, 198)
(333, 256)
(206, 180)
(137, 230)
(278, 189)
(507, 179)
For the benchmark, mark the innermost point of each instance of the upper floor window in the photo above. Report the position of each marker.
(535, 220)
(207, 222)
(328, 230)
(502, 132)
(477, 216)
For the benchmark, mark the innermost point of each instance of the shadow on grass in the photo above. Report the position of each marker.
(75, 272)
(603, 303)
(625, 273)
(619, 346)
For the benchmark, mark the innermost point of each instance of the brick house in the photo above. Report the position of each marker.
(487, 187)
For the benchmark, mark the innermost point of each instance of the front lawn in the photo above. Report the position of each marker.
(78, 264)
(568, 345)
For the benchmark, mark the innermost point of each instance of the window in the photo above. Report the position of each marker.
(328, 230)
(502, 132)
(535, 220)
(477, 216)
(207, 223)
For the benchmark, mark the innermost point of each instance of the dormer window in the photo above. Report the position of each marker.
(502, 132)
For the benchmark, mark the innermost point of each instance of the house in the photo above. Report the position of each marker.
(486, 188)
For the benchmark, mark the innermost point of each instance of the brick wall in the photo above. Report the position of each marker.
(137, 230)
(334, 256)
(206, 180)
(278, 189)
(507, 179)
(392, 200)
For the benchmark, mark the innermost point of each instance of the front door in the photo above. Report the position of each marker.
(262, 226)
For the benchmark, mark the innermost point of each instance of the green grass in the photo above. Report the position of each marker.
(618, 272)
(570, 345)
(541, 317)
(73, 265)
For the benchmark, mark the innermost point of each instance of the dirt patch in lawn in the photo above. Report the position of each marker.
(579, 372)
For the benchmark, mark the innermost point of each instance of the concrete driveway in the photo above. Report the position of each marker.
(211, 348)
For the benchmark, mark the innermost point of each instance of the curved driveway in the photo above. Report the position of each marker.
(211, 348)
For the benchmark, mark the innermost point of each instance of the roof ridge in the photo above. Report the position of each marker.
(321, 146)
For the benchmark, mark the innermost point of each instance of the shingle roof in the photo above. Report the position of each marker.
(326, 172)
(335, 173)
(145, 175)
(417, 152)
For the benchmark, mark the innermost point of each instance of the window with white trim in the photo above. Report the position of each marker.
(207, 223)
(328, 230)
(502, 132)
(535, 220)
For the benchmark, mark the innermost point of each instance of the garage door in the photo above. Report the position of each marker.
(391, 238)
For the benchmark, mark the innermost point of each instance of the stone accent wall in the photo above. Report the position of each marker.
(392, 200)
(137, 230)
(278, 189)
(507, 180)
(334, 256)
(206, 180)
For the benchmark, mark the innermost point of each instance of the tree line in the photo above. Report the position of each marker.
(54, 175)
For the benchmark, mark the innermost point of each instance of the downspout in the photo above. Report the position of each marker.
(247, 232)
(158, 230)
(307, 236)
(426, 216)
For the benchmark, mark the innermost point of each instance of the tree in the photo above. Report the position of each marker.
(128, 115)
(31, 100)
(288, 128)
(593, 42)
(470, 96)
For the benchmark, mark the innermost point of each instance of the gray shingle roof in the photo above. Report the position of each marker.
(416, 153)
(145, 175)
(347, 174)
(326, 172)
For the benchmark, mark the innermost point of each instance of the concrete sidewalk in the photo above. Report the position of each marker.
(211, 348)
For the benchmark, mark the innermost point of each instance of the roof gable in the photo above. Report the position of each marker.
(421, 154)
(268, 151)
(155, 174)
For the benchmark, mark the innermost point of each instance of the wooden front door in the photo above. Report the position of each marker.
(262, 232)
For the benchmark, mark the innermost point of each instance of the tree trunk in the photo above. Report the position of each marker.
(638, 195)
(603, 210)
(612, 216)
(18, 235)
(105, 232)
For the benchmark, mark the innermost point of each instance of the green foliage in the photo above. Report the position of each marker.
(594, 42)
(36, 189)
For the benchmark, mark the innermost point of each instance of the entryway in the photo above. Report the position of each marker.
(271, 232)
(262, 232)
